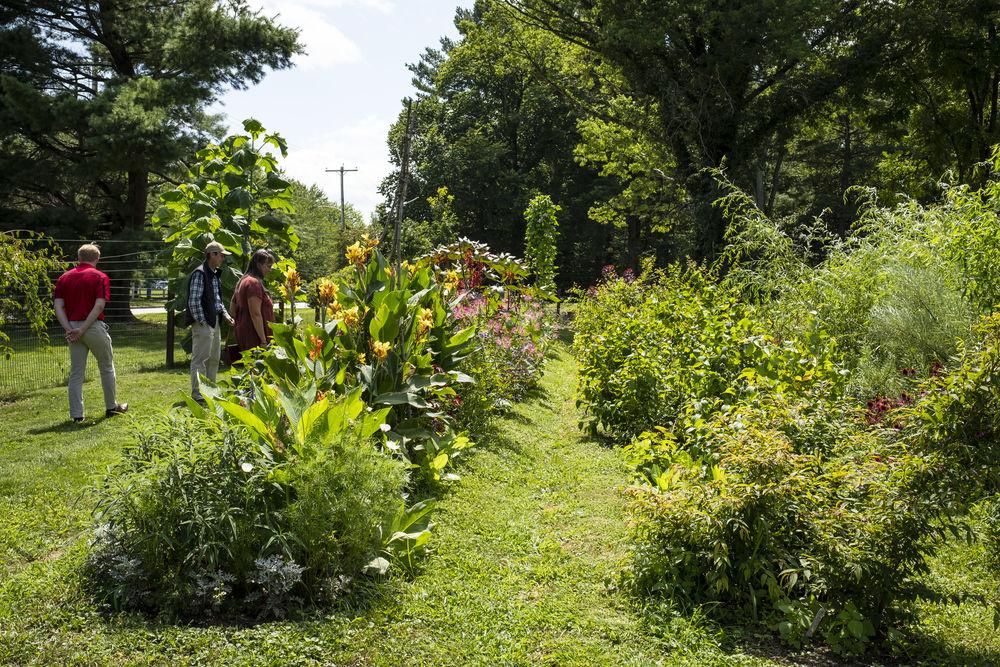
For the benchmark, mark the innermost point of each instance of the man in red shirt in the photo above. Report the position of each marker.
(80, 296)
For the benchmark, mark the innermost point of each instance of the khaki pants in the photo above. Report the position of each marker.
(206, 347)
(97, 340)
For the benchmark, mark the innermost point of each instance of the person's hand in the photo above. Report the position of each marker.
(74, 335)
(232, 322)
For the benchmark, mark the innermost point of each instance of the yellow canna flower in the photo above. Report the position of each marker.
(369, 243)
(451, 280)
(292, 280)
(406, 266)
(356, 254)
(351, 316)
(327, 291)
(380, 349)
(425, 320)
(361, 357)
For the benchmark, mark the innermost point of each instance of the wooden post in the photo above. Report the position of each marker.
(171, 335)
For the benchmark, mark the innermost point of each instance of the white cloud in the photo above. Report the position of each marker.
(325, 44)
(384, 6)
(354, 146)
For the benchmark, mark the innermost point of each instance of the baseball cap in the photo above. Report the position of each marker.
(215, 246)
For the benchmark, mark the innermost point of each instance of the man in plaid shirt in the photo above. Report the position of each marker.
(205, 310)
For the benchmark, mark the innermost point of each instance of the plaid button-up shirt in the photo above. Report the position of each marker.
(195, 290)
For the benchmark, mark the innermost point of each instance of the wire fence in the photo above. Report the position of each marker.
(135, 315)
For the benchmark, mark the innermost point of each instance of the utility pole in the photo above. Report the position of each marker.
(341, 171)
(404, 175)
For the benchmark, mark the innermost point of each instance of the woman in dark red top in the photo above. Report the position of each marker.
(252, 307)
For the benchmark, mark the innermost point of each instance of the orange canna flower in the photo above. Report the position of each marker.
(317, 347)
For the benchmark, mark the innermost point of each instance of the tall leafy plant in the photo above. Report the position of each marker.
(540, 238)
(391, 338)
(235, 195)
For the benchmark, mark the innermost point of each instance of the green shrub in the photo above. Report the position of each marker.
(763, 487)
(893, 294)
(889, 310)
(341, 499)
(756, 525)
(674, 347)
(540, 235)
(973, 239)
(787, 506)
(198, 520)
(637, 340)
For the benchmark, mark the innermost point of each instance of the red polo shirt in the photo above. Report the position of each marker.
(79, 288)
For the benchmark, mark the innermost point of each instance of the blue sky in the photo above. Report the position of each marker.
(336, 105)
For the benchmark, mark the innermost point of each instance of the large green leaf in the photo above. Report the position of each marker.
(461, 337)
(311, 418)
(243, 416)
(377, 322)
(344, 410)
(402, 398)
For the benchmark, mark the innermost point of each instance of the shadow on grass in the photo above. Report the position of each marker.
(917, 650)
(68, 426)
(517, 417)
(494, 439)
(601, 439)
(566, 335)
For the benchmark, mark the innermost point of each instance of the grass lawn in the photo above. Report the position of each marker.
(525, 555)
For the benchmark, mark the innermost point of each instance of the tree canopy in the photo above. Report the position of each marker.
(95, 97)
(623, 112)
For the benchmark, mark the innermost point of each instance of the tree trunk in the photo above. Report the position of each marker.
(711, 226)
(634, 240)
(120, 307)
(844, 213)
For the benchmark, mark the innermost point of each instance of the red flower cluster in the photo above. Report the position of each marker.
(879, 408)
(473, 271)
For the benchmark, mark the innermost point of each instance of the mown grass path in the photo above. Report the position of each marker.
(524, 549)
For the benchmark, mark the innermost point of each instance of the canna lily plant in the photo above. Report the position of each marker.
(390, 339)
